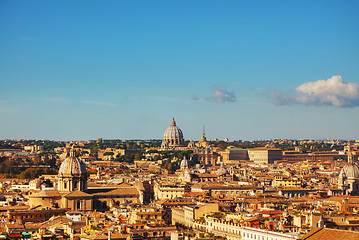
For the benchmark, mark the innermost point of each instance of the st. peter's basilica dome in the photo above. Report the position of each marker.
(173, 136)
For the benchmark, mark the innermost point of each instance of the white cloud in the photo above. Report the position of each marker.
(220, 94)
(331, 92)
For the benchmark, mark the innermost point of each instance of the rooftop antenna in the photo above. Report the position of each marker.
(204, 134)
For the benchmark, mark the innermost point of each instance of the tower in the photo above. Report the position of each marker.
(185, 174)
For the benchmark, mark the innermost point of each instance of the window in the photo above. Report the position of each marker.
(78, 205)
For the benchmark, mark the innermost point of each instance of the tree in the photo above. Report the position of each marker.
(84, 152)
(31, 173)
(193, 161)
(108, 153)
(174, 166)
(50, 162)
(138, 156)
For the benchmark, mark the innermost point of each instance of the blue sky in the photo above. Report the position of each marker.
(73, 70)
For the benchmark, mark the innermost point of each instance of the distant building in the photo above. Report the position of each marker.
(34, 148)
(163, 190)
(234, 154)
(264, 155)
(187, 214)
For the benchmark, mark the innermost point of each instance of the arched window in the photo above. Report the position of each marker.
(65, 185)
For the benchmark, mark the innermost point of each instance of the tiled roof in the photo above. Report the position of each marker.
(119, 192)
(331, 234)
(45, 194)
(77, 194)
(6, 208)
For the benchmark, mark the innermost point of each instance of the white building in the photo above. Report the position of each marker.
(234, 231)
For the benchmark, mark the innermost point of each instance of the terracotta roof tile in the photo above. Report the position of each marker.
(331, 234)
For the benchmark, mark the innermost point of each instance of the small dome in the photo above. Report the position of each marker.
(72, 166)
(173, 131)
(350, 171)
(191, 144)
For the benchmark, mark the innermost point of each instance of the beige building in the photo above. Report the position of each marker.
(227, 190)
(45, 199)
(264, 155)
(164, 190)
(105, 200)
(34, 148)
(280, 181)
(77, 200)
(146, 215)
(187, 214)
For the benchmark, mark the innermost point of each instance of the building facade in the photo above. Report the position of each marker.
(264, 155)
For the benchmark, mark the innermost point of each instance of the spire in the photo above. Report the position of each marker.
(203, 138)
(173, 123)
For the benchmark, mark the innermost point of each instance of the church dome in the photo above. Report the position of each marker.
(173, 137)
(350, 171)
(72, 166)
(173, 131)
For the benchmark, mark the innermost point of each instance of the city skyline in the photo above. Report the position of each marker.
(121, 70)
